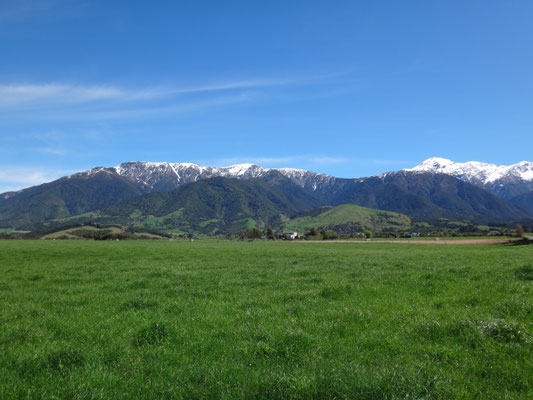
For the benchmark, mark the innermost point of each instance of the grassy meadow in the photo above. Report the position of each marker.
(266, 320)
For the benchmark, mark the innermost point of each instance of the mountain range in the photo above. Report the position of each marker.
(226, 199)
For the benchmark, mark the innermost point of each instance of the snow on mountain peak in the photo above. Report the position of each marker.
(92, 171)
(437, 161)
(186, 165)
(477, 172)
(240, 169)
(157, 175)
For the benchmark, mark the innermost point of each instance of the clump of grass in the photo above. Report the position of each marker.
(138, 303)
(524, 273)
(64, 359)
(285, 347)
(335, 293)
(142, 284)
(111, 358)
(153, 334)
(447, 330)
(471, 332)
(502, 331)
(517, 308)
(18, 335)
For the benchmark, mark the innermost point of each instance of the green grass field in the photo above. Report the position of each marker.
(445, 238)
(267, 320)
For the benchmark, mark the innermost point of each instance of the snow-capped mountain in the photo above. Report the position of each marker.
(506, 181)
(426, 192)
(162, 176)
(152, 175)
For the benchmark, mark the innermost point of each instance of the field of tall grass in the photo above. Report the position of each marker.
(267, 320)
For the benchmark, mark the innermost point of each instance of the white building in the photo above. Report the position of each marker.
(290, 235)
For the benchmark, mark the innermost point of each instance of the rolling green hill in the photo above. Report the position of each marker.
(210, 207)
(105, 233)
(222, 206)
(348, 218)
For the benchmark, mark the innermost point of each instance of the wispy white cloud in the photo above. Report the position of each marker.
(61, 102)
(149, 110)
(23, 95)
(281, 162)
(52, 143)
(15, 11)
(15, 178)
(250, 83)
(50, 150)
(56, 103)
(18, 95)
(328, 160)
(253, 160)
(121, 102)
(391, 162)
(18, 9)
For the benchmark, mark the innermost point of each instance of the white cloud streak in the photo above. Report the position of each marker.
(16, 10)
(22, 10)
(281, 162)
(55, 102)
(50, 150)
(391, 162)
(12, 95)
(15, 178)
(153, 111)
(20, 95)
(62, 102)
(247, 84)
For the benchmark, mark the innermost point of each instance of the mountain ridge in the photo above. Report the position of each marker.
(417, 193)
(154, 176)
(506, 181)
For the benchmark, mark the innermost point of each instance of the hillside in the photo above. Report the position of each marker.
(349, 218)
(105, 233)
(212, 206)
(65, 197)
(524, 201)
(425, 196)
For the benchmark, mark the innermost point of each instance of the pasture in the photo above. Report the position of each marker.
(267, 320)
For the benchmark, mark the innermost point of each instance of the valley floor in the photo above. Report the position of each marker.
(271, 320)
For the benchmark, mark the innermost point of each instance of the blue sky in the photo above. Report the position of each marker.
(348, 88)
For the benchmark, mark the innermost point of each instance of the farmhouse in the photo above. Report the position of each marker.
(290, 235)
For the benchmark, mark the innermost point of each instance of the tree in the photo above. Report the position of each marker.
(519, 230)
(368, 233)
(329, 234)
(270, 234)
(251, 233)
